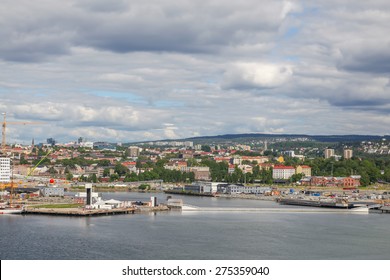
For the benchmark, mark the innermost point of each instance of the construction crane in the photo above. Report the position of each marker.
(5, 123)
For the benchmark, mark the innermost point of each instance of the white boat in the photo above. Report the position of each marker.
(7, 211)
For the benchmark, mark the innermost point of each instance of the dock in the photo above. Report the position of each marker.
(381, 210)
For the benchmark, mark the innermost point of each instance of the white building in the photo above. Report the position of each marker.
(5, 170)
(282, 172)
(86, 145)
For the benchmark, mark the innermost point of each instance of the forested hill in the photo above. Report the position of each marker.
(320, 138)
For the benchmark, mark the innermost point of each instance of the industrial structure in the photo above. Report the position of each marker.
(4, 130)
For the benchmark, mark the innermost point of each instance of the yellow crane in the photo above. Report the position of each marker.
(4, 125)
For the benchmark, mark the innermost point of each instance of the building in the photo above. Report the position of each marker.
(51, 141)
(246, 168)
(133, 151)
(303, 169)
(203, 187)
(329, 153)
(351, 181)
(88, 145)
(201, 172)
(188, 144)
(5, 170)
(290, 153)
(348, 154)
(241, 189)
(282, 172)
(52, 191)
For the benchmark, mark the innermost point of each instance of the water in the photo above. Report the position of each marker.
(197, 235)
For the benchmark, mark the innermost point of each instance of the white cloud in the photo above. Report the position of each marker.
(135, 70)
(256, 75)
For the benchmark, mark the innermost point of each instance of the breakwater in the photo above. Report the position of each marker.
(191, 208)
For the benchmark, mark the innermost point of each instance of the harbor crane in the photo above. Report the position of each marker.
(4, 125)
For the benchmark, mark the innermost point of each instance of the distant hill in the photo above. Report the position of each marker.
(319, 138)
(259, 136)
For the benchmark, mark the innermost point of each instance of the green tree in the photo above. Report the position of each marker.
(120, 169)
(144, 187)
(106, 172)
(114, 177)
(69, 176)
(206, 148)
(92, 178)
(23, 160)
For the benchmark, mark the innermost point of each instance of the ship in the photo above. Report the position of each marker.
(340, 203)
(7, 211)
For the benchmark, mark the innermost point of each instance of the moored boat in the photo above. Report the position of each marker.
(11, 211)
(333, 203)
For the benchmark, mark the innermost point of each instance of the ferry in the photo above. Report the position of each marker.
(340, 203)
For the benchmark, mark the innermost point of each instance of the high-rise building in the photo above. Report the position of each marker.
(348, 154)
(51, 141)
(5, 170)
(133, 151)
(329, 153)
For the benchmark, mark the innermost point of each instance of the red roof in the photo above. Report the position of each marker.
(283, 167)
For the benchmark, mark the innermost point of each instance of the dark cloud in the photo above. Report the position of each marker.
(43, 27)
(370, 60)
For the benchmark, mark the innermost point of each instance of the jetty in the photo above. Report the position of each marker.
(385, 209)
(190, 208)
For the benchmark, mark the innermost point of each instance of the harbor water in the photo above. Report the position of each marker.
(197, 235)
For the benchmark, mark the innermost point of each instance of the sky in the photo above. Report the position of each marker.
(137, 70)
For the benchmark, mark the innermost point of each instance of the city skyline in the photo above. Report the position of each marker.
(127, 71)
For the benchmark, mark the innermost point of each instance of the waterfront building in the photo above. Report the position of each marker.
(5, 170)
(52, 191)
(329, 153)
(235, 189)
(201, 172)
(282, 172)
(323, 181)
(348, 154)
(203, 187)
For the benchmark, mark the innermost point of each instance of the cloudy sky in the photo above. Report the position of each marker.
(134, 70)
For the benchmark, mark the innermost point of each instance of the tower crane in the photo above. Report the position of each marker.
(4, 125)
